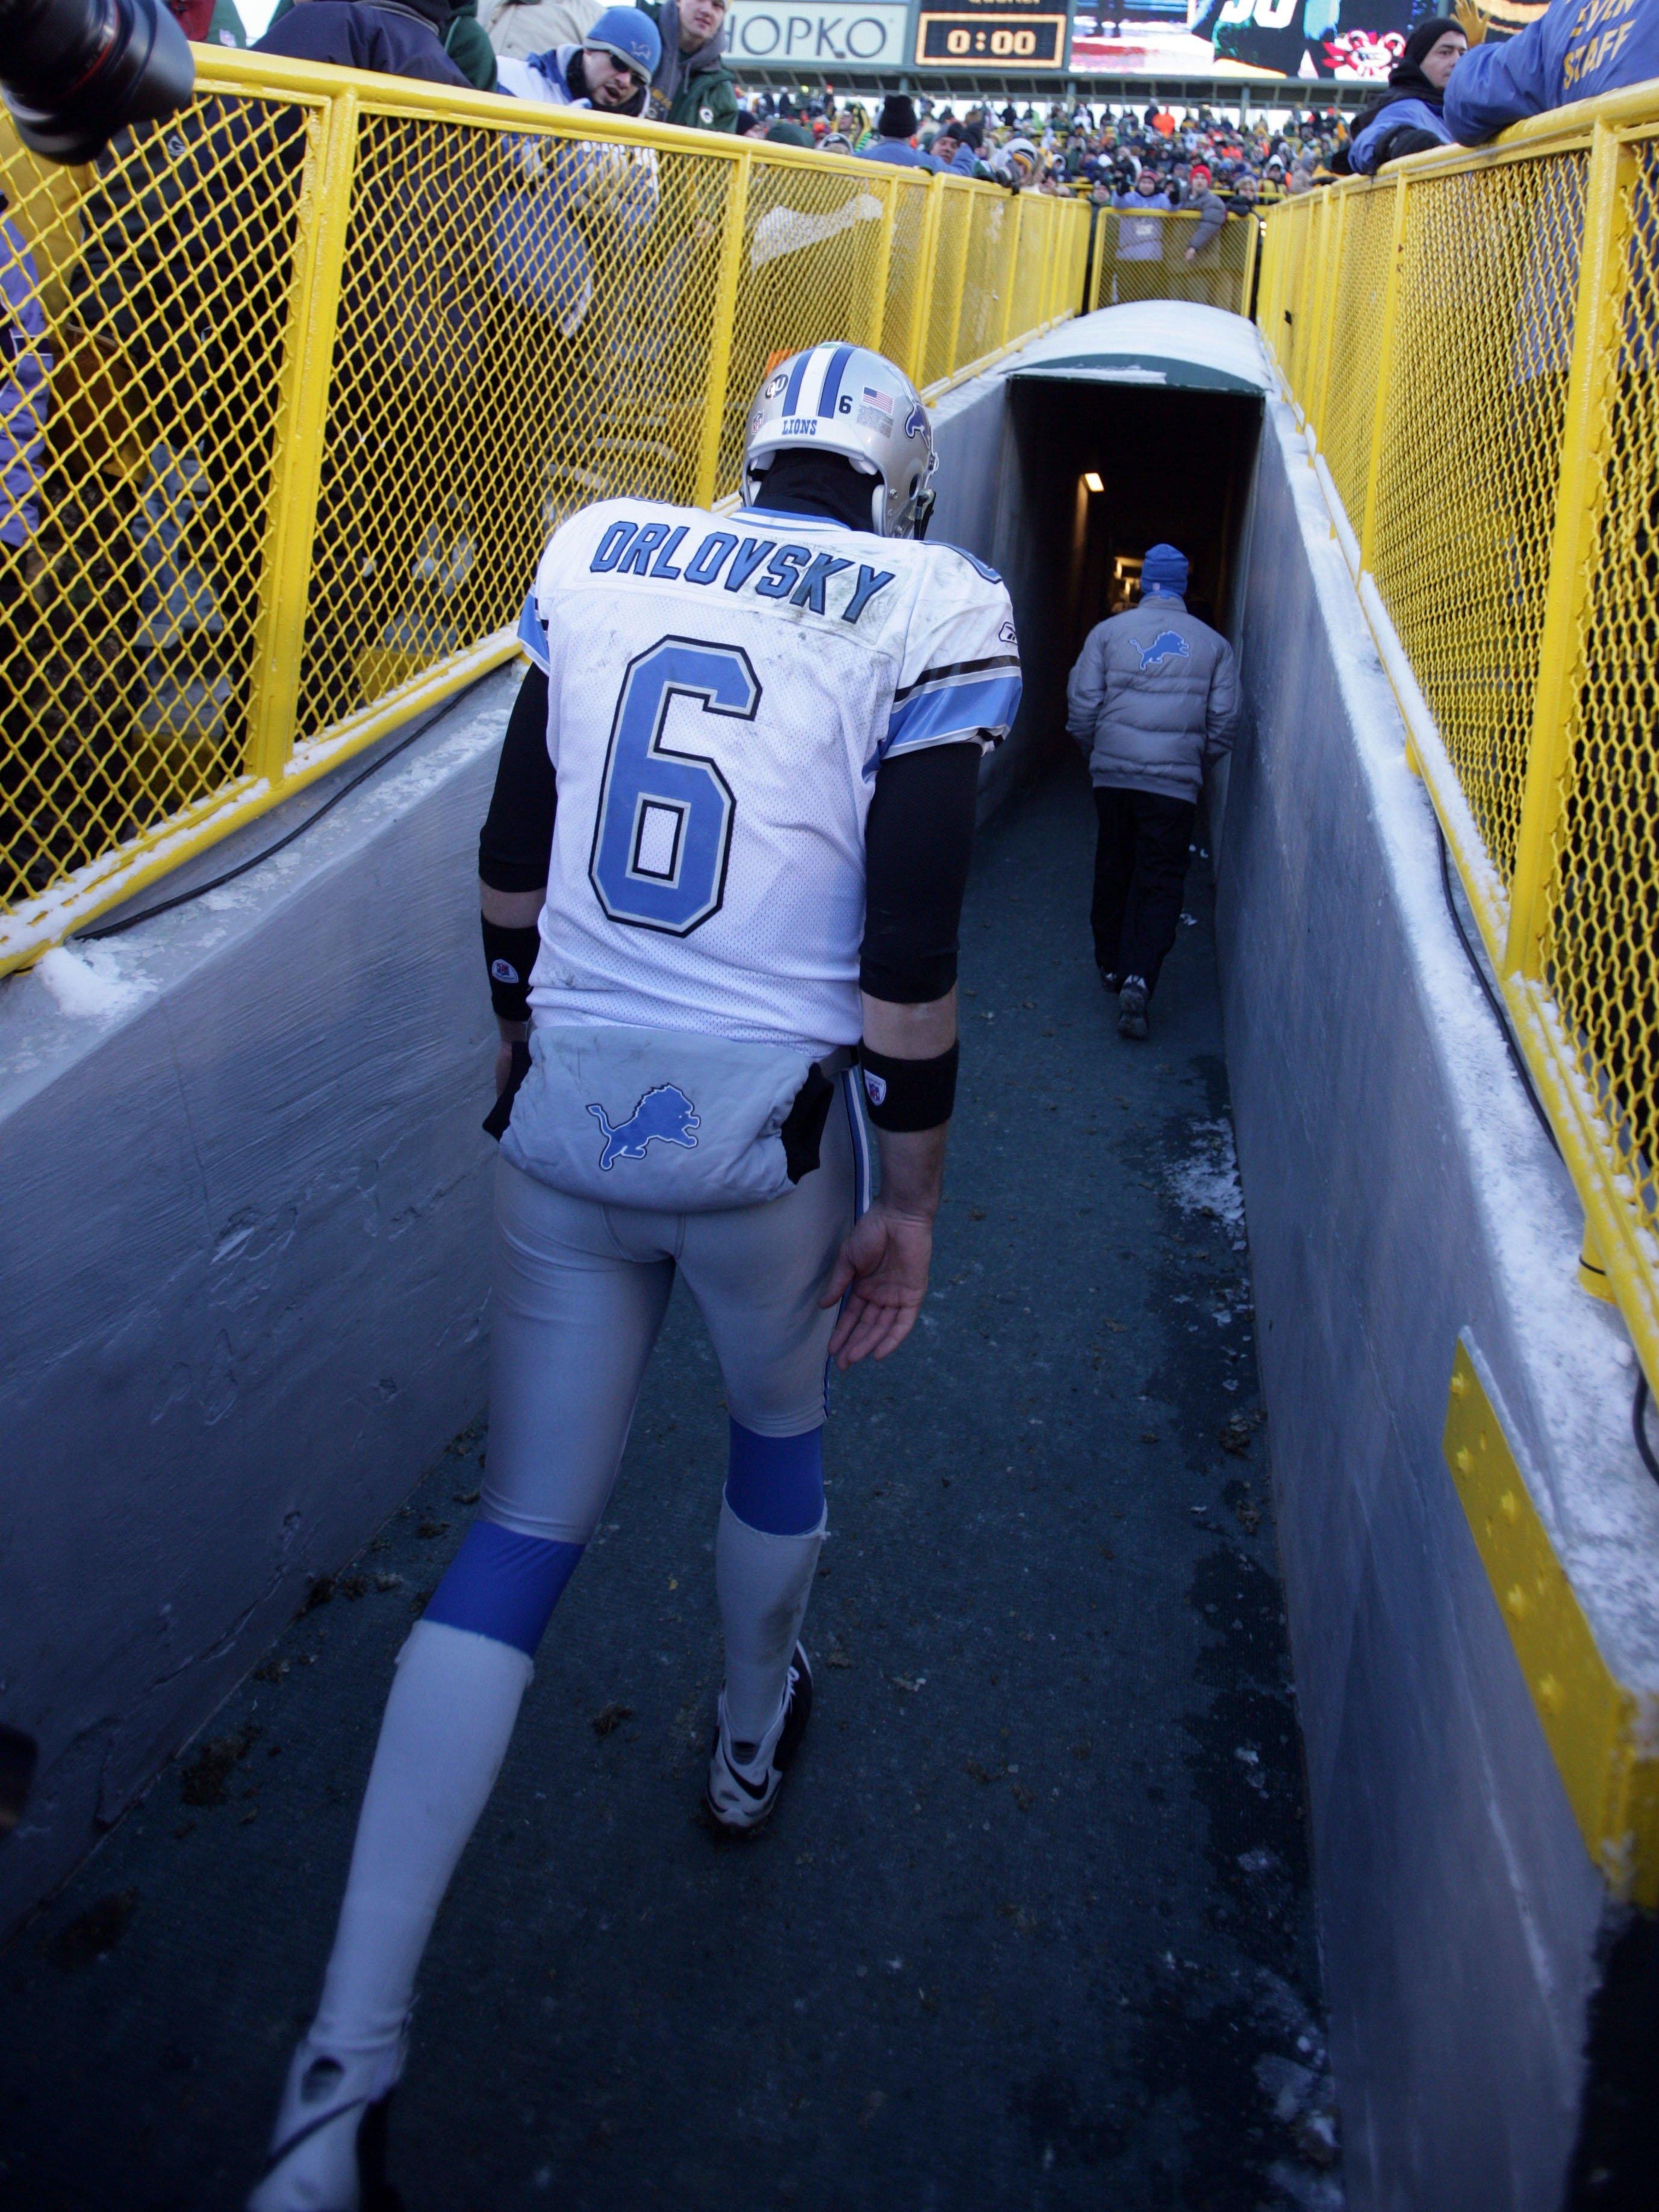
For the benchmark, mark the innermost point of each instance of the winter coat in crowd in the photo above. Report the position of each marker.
(1400, 128)
(1153, 698)
(1140, 231)
(896, 126)
(25, 368)
(387, 36)
(1211, 212)
(540, 77)
(519, 29)
(457, 27)
(1576, 49)
(540, 252)
(695, 90)
(898, 151)
(1405, 114)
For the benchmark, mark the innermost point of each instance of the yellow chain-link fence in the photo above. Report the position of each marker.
(1141, 254)
(297, 384)
(1471, 341)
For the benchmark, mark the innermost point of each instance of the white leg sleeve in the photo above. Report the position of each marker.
(442, 1740)
(763, 1584)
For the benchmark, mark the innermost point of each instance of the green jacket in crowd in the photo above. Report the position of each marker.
(465, 42)
(707, 100)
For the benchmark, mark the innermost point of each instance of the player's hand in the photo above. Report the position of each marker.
(882, 1272)
(1190, 252)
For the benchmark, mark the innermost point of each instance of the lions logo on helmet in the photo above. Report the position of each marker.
(845, 399)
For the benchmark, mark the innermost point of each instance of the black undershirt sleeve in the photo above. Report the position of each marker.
(918, 841)
(516, 846)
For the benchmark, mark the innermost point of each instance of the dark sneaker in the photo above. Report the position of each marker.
(1108, 981)
(742, 1793)
(1131, 1008)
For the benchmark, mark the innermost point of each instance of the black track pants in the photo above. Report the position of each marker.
(1140, 865)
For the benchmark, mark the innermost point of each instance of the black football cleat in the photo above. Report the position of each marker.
(742, 1792)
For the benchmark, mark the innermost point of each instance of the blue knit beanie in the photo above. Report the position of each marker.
(1163, 569)
(631, 36)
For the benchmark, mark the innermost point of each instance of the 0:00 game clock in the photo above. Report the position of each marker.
(1020, 41)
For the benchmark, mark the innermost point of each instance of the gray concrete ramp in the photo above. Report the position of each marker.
(1033, 1924)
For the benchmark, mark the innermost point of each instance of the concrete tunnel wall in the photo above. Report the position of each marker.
(1400, 1192)
(245, 1241)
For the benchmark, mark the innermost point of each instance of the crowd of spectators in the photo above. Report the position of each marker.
(1109, 156)
(546, 49)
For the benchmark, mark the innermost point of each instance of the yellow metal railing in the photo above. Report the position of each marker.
(1471, 342)
(302, 380)
(1141, 254)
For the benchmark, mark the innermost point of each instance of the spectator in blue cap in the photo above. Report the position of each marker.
(1151, 700)
(611, 70)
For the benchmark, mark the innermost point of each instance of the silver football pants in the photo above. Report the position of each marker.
(580, 1292)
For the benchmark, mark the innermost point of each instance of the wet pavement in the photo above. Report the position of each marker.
(1033, 1924)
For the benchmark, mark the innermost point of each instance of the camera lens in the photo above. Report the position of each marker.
(78, 71)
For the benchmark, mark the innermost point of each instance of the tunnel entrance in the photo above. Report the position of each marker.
(1108, 469)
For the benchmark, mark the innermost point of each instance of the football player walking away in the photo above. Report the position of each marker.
(722, 877)
(1151, 700)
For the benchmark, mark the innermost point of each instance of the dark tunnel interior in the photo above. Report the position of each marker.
(1171, 465)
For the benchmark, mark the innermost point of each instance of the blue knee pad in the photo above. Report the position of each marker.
(775, 1483)
(504, 1585)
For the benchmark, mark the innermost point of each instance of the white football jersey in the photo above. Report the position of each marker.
(721, 691)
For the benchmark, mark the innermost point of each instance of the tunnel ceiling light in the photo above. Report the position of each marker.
(1092, 481)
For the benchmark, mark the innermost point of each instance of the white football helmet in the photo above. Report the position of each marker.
(848, 400)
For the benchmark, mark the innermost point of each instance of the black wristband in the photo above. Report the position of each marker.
(909, 1094)
(509, 955)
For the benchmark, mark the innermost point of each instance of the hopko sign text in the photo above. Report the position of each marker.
(873, 34)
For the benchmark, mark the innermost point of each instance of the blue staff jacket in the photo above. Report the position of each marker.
(1576, 49)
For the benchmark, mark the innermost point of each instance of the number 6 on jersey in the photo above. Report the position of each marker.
(664, 831)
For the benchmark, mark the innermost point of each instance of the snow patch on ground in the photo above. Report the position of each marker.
(89, 984)
(1205, 1182)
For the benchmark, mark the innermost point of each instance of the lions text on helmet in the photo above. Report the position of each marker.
(848, 400)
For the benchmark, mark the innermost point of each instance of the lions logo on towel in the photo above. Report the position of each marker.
(664, 1112)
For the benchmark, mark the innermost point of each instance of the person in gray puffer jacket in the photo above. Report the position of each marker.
(1152, 701)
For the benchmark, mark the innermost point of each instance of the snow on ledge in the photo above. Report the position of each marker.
(1168, 341)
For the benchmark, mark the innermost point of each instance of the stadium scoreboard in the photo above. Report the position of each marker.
(1001, 35)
